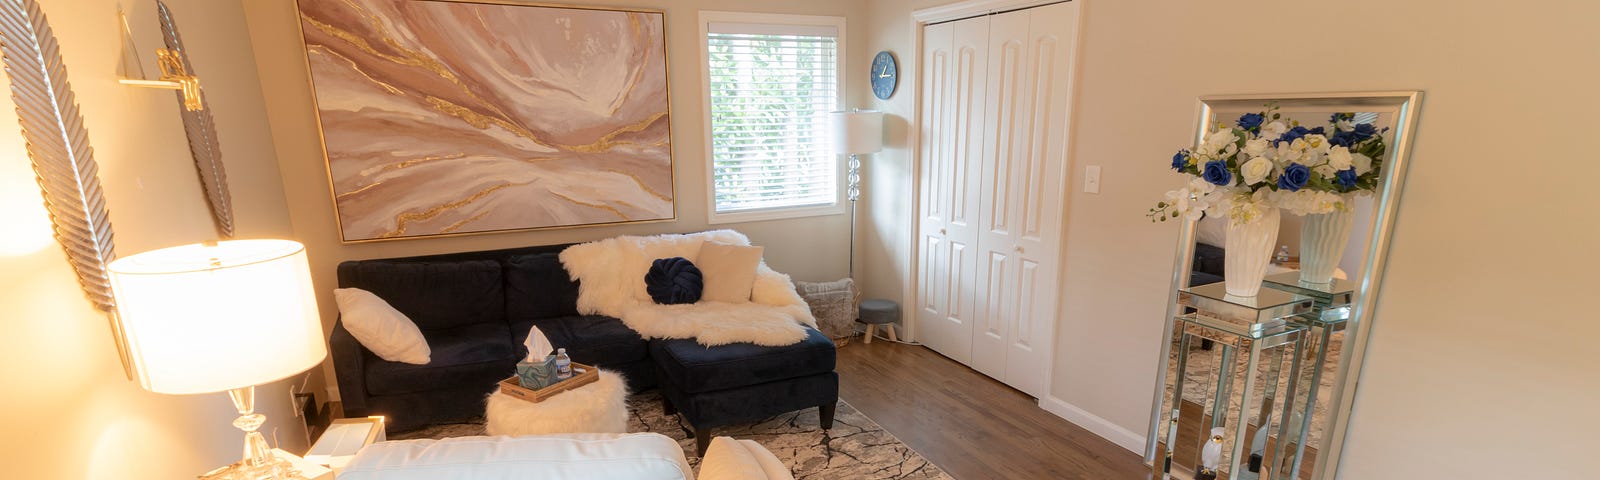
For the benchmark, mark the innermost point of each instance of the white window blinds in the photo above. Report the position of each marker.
(770, 89)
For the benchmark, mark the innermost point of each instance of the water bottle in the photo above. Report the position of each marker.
(1283, 255)
(563, 365)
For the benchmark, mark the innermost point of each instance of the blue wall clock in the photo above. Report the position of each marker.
(885, 75)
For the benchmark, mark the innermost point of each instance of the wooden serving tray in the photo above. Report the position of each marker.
(511, 386)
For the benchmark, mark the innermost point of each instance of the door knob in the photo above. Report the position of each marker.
(1019, 248)
(941, 231)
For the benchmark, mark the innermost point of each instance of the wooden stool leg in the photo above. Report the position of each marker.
(891, 328)
(867, 337)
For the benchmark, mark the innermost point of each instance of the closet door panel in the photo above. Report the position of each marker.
(1005, 121)
(1040, 196)
(942, 325)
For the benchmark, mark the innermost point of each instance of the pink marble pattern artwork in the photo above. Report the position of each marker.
(454, 117)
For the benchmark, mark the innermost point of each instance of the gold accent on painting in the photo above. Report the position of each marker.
(405, 219)
(607, 208)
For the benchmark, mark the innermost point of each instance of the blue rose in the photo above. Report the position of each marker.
(1344, 139)
(1216, 172)
(1315, 131)
(1294, 177)
(1251, 121)
(1346, 178)
(1180, 160)
(1364, 131)
(1335, 118)
(1293, 134)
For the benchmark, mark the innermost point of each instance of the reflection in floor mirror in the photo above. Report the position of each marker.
(1287, 214)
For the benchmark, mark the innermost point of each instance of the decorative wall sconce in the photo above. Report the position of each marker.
(58, 147)
(177, 72)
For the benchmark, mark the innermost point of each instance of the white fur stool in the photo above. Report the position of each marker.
(599, 407)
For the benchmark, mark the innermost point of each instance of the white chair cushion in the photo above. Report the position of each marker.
(635, 456)
(379, 327)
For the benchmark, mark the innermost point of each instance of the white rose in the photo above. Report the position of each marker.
(1339, 158)
(1257, 147)
(1325, 170)
(1221, 138)
(1362, 163)
(1256, 170)
(1316, 141)
(1272, 131)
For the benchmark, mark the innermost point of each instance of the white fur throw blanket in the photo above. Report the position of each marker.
(611, 275)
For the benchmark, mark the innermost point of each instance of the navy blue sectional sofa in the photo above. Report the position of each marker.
(475, 310)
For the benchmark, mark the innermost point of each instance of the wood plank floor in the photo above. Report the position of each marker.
(971, 425)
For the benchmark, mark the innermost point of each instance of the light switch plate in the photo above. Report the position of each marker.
(1091, 179)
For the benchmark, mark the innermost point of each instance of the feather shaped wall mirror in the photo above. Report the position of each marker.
(177, 73)
(59, 149)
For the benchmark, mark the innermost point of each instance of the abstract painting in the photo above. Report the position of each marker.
(447, 117)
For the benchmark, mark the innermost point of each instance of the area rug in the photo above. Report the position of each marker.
(855, 448)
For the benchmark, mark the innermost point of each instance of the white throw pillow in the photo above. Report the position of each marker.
(728, 271)
(381, 328)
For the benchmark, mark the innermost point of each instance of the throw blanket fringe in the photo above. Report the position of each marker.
(611, 273)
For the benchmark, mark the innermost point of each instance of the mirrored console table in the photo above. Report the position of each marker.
(1221, 403)
(1328, 316)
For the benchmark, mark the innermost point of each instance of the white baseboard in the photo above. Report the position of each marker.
(333, 393)
(1124, 438)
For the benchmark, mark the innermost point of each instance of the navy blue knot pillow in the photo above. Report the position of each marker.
(674, 280)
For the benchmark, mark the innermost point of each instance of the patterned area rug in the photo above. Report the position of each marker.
(856, 447)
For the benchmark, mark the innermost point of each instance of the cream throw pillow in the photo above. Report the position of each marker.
(728, 271)
(381, 328)
(729, 459)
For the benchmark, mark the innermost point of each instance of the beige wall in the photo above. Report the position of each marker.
(1482, 359)
(812, 249)
(68, 412)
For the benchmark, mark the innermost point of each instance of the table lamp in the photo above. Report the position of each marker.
(221, 317)
(855, 132)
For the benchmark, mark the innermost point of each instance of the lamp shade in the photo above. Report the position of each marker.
(856, 131)
(208, 318)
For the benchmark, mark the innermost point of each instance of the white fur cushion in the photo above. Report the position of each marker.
(381, 328)
(599, 407)
(611, 271)
(729, 459)
(729, 271)
(638, 456)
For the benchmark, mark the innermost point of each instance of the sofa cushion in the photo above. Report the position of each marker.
(537, 286)
(465, 357)
(435, 295)
(589, 339)
(629, 456)
(696, 368)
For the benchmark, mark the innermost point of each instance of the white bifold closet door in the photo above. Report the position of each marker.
(995, 92)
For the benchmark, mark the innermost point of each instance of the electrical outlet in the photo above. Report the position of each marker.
(1091, 179)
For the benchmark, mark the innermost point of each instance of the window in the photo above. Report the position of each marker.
(770, 81)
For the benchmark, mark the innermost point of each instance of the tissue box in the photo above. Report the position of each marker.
(537, 375)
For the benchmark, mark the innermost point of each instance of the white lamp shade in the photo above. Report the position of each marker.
(856, 131)
(211, 318)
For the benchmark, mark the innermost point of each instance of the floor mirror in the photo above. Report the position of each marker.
(1260, 387)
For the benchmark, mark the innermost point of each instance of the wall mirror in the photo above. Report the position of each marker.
(1268, 396)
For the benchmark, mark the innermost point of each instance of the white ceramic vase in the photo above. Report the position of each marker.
(1322, 241)
(1249, 250)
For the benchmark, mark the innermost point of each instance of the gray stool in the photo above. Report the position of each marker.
(877, 312)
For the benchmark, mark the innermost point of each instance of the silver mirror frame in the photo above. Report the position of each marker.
(1405, 104)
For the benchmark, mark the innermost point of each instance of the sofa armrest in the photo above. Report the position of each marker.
(729, 459)
(349, 366)
(626, 456)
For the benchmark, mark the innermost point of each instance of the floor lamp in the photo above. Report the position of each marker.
(222, 317)
(855, 133)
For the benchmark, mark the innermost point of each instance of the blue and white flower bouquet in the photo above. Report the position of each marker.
(1265, 161)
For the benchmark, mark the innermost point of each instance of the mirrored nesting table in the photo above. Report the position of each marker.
(1327, 317)
(1240, 390)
